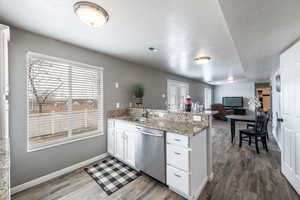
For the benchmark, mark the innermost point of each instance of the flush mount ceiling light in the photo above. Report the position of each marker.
(230, 79)
(91, 13)
(153, 49)
(202, 60)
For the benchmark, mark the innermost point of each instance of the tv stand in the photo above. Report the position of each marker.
(239, 111)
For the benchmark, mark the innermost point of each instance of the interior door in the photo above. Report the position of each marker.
(290, 110)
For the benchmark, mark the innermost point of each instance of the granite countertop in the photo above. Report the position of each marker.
(4, 169)
(183, 128)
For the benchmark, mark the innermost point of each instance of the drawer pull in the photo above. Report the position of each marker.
(177, 175)
(178, 140)
(177, 153)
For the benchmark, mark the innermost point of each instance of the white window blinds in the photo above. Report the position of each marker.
(65, 100)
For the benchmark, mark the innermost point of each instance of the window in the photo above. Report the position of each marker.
(207, 98)
(177, 91)
(65, 101)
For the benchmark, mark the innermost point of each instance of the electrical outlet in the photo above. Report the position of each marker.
(117, 105)
(197, 118)
(161, 114)
(116, 84)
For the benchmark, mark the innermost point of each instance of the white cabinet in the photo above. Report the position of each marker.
(119, 144)
(111, 137)
(187, 164)
(129, 147)
(122, 139)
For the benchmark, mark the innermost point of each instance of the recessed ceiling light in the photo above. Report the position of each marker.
(153, 49)
(91, 13)
(202, 60)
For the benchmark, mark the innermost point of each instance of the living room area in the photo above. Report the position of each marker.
(238, 98)
(239, 105)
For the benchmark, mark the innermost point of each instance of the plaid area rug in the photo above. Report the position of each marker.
(111, 174)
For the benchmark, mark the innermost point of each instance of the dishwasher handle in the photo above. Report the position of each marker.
(151, 134)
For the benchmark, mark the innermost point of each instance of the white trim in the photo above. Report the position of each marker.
(6, 31)
(61, 142)
(56, 174)
(211, 177)
(199, 190)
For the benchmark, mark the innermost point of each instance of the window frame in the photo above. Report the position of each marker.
(66, 140)
(178, 84)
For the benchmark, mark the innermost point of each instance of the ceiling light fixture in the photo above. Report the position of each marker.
(230, 79)
(91, 13)
(153, 49)
(202, 60)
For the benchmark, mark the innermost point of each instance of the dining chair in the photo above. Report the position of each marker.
(252, 125)
(259, 132)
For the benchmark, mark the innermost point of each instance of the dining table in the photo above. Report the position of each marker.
(240, 118)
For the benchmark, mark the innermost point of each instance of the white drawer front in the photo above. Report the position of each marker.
(178, 179)
(177, 139)
(178, 157)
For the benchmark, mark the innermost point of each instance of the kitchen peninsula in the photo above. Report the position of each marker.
(173, 148)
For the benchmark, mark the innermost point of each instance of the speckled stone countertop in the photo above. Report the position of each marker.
(183, 128)
(4, 169)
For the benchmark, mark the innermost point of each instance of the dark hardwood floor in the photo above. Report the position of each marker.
(240, 174)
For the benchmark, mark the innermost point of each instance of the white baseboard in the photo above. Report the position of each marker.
(211, 177)
(55, 174)
(199, 190)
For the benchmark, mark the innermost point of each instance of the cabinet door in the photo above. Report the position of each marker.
(111, 137)
(129, 153)
(119, 144)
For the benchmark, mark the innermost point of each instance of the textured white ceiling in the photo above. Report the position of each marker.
(261, 30)
(181, 30)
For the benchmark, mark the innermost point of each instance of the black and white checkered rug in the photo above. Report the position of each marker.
(111, 174)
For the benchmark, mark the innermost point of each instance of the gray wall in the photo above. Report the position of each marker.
(245, 89)
(27, 166)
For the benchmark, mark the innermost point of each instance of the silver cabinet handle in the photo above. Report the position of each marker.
(152, 134)
(177, 153)
(177, 175)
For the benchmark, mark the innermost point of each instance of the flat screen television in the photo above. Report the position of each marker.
(233, 102)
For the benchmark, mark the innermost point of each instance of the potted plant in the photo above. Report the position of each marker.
(139, 94)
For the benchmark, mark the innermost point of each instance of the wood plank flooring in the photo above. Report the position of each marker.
(240, 174)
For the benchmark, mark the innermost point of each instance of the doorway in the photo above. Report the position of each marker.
(263, 92)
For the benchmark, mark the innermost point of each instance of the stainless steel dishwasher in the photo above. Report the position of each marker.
(151, 153)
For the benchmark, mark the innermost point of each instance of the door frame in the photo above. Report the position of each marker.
(4, 86)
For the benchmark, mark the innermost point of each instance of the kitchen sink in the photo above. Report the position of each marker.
(139, 119)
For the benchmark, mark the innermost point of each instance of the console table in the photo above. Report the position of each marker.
(241, 118)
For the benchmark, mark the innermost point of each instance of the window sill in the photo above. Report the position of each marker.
(60, 142)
